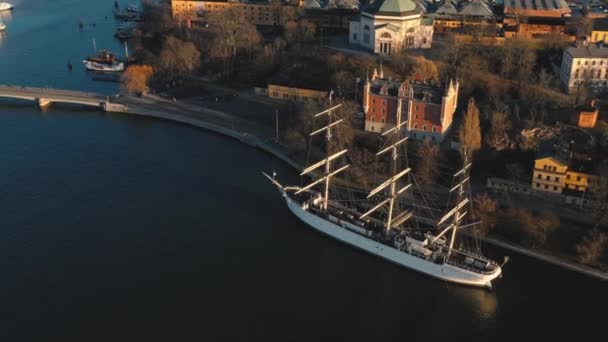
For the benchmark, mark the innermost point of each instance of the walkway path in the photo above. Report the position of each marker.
(550, 259)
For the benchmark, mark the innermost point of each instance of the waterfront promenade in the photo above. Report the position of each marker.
(216, 121)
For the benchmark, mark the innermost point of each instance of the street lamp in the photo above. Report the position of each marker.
(321, 37)
(357, 80)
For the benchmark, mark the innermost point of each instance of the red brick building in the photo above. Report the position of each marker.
(428, 107)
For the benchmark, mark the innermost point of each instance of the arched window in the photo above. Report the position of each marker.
(382, 120)
(424, 128)
(385, 35)
(373, 119)
(415, 127)
(434, 129)
(366, 28)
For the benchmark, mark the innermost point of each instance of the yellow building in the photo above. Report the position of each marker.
(259, 12)
(599, 32)
(555, 171)
(284, 92)
(276, 91)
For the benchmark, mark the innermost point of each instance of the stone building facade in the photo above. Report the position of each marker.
(386, 26)
(260, 12)
(584, 65)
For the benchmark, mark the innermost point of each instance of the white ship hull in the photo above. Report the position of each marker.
(4, 6)
(94, 66)
(444, 271)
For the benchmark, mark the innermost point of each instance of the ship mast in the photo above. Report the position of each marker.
(328, 160)
(461, 178)
(397, 139)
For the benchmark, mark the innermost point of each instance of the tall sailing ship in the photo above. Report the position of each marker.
(387, 229)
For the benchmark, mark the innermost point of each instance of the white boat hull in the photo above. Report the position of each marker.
(94, 66)
(6, 6)
(445, 271)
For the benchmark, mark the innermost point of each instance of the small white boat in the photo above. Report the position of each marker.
(2, 26)
(5, 6)
(113, 67)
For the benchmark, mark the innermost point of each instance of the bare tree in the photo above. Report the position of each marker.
(592, 246)
(470, 133)
(427, 167)
(486, 212)
(232, 32)
(497, 135)
(178, 57)
(426, 69)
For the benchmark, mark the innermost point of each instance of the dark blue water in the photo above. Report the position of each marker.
(127, 229)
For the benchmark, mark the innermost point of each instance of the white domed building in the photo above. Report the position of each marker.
(386, 26)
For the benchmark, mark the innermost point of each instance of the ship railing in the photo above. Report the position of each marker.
(468, 267)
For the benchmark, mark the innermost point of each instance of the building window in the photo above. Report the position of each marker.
(373, 119)
(548, 178)
(567, 176)
(424, 128)
(545, 167)
(354, 36)
(546, 186)
(578, 179)
(557, 179)
(415, 127)
(385, 35)
(539, 176)
(538, 185)
(434, 129)
(554, 169)
(382, 120)
(555, 188)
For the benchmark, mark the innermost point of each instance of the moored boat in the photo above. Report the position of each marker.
(104, 61)
(95, 66)
(5, 6)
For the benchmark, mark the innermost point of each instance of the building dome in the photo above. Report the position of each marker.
(396, 8)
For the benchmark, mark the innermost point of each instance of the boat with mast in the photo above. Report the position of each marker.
(386, 229)
(103, 61)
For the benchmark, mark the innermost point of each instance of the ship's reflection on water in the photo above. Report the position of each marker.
(482, 302)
